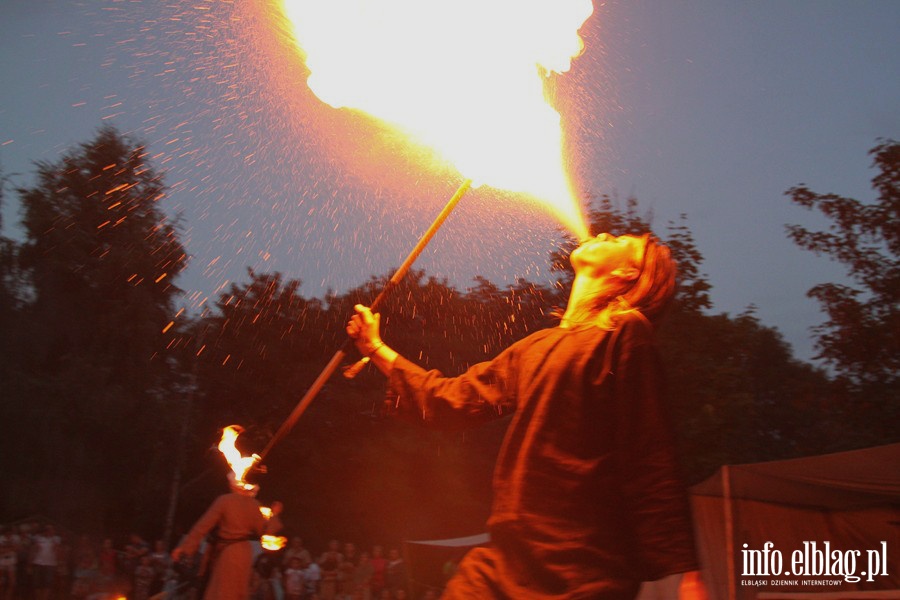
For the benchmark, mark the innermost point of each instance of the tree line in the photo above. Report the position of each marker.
(113, 399)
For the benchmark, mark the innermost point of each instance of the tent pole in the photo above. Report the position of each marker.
(729, 531)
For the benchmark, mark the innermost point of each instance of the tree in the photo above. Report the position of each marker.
(10, 311)
(861, 338)
(10, 284)
(261, 342)
(262, 346)
(99, 248)
(99, 259)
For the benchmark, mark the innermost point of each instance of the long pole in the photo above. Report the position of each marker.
(179, 464)
(339, 356)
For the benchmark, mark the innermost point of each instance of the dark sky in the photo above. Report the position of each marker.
(709, 108)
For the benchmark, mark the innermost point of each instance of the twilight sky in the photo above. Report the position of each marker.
(709, 108)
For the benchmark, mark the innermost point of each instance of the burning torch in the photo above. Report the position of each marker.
(241, 467)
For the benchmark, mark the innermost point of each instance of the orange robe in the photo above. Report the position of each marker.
(239, 521)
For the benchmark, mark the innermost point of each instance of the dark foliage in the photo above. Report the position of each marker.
(861, 338)
(108, 399)
(90, 377)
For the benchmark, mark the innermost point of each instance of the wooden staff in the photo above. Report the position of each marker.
(339, 356)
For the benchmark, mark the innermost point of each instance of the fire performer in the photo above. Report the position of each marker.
(587, 499)
(238, 520)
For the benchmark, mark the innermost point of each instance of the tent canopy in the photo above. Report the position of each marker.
(481, 539)
(849, 499)
(841, 481)
(432, 562)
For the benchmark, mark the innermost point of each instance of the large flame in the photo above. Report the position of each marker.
(466, 78)
(239, 464)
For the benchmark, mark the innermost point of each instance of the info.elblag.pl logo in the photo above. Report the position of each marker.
(815, 563)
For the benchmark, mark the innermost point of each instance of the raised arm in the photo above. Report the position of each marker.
(482, 393)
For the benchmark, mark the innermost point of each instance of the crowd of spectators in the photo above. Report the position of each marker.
(38, 562)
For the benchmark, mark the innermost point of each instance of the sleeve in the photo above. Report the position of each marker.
(485, 391)
(659, 511)
(203, 526)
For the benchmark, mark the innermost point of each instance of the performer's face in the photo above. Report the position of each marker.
(606, 254)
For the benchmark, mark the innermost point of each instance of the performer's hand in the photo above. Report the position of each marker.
(363, 329)
(177, 553)
(692, 587)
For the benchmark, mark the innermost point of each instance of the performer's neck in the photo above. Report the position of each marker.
(588, 298)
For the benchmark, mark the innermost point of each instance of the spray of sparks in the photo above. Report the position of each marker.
(262, 173)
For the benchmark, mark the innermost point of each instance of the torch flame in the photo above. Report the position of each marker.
(270, 542)
(273, 543)
(239, 464)
(464, 77)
